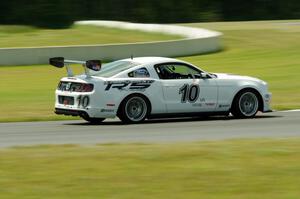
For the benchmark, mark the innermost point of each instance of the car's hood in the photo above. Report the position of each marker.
(236, 77)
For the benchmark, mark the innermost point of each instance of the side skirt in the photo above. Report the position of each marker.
(196, 114)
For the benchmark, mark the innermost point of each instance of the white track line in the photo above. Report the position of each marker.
(187, 32)
(295, 110)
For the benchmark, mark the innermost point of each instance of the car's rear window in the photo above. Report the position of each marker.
(113, 68)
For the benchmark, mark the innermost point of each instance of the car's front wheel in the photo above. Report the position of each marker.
(245, 104)
(133, 109)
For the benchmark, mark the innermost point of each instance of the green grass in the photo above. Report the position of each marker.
(267, 50)
(26, 36)
(239, 169)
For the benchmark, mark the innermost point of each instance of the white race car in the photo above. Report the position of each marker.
(146, 87)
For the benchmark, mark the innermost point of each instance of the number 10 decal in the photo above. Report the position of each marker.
(189, 93)
(83, 101)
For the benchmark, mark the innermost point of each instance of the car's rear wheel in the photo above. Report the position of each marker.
(134, 109)
(245, 104)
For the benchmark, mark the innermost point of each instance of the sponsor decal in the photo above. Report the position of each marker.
(224, 105)
(107, 110)
(197, 105)
(128, 85)
(268, 96)
(210, 104)
(267, 100)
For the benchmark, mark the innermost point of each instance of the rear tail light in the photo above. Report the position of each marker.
(75, 87)
(86, 88)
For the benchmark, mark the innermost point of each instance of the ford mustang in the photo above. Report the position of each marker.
(136, 89)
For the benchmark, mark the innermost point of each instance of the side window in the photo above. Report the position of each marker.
(141, 72)
(175, 71)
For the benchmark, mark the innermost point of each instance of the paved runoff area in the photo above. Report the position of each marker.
(275, 124)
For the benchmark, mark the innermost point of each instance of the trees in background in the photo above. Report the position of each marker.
(62, 13)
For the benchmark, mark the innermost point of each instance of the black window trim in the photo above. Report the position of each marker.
(138, 69)
(178, 63)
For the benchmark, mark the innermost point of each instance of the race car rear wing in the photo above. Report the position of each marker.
(60, 62)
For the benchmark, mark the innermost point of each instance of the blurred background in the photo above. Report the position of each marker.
(261, 38)
(62, 13)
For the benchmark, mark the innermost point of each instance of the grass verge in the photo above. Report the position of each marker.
(236, 169)
(26, 36)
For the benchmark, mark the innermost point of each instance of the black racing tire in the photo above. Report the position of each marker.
(134, 109)
(245, 104)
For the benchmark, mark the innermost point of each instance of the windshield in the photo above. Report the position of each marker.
(113, 68)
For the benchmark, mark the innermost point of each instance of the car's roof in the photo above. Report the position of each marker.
(152, 60)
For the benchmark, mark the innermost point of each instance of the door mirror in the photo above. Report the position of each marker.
(202, 75)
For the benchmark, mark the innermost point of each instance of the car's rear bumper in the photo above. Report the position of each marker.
(60, 111)
(91, 105)
(89, 112)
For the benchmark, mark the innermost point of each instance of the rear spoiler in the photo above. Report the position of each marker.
(60, 62)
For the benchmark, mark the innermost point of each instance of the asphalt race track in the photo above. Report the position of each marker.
(276, 124)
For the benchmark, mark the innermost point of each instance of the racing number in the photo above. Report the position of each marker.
(83, 101)
(189, 93)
